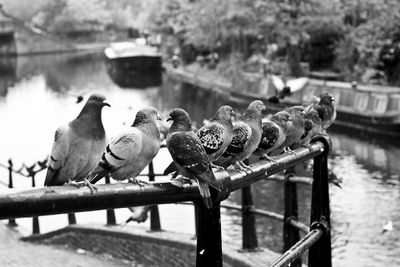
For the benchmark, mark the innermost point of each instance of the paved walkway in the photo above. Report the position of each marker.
(17, 253)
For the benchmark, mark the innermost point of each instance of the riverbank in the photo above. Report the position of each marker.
(138, 245)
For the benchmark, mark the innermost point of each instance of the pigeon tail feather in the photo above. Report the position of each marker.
(170, 169)
(96, 175)
(205, 193)
(51, 177)
(209, 178)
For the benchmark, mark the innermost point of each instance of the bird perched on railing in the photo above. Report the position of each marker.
(274, 131)
(189, 154)
(326, 110)
(130, 151)
(295, 129)
(312, 127)
(215, 136)
(246, 137)
(78, 145)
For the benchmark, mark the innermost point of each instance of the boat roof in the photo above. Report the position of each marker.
(130, 49)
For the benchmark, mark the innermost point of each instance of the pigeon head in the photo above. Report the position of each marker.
(224, 113)
(326, 99)
(146, 115)
(92, 108)
(254, 110)
(282, 116)
(181, 120)
(299, 110)
(97, 100)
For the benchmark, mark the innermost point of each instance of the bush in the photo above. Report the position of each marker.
(324, 38)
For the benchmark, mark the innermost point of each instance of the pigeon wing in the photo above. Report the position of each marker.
(270, 135)
(297, 84)
(187, 151)
(58, 155)
(241, 136)
(211, 137)
(277, 82)
(123, 148)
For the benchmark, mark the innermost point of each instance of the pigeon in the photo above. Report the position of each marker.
(312, 127)
(286, 88)
(215, 136)
(295, 129)
(274, 133)
(78, 145)
(189, 154)
(130, 151)
(326, 110)
(246, 137)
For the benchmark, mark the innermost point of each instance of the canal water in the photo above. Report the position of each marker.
(39, 93)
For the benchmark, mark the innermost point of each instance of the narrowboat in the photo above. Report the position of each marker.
(133, 64)
(363, 108)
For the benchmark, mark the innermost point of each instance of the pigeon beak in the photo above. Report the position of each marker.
(158, 117)
(106, 104)
(264, 108)
(169, 119)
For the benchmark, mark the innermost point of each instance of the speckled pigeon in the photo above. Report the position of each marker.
(78, 145)
(312, 126)
(215, 136)
(246, 137)
(130, 151)
(295, 129)
(326, 110)
(189, 154)
(274, 133)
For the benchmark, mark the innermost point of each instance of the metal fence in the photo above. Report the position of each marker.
(66, 199)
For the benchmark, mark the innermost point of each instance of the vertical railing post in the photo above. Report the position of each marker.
(209, 243)
(71, 218)
(155, 224)
(35, 220)
(196, 216)
(11, 222)
(249, 235)
(110, 213)
(291, 235)
(320, 253)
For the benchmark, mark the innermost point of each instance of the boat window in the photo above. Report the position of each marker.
(361, 101)
(379, 103)
(347, 98)
(394, 102)
(312, 90)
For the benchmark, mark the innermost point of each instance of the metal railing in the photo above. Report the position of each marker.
(69, 199)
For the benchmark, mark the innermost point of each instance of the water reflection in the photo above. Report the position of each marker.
(39, 99)
(8, 67)
(135, 79)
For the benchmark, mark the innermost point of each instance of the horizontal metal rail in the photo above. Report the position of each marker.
(65, 199)
(299, 248)
(265, 213)
(269, 214)
(292, 179)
